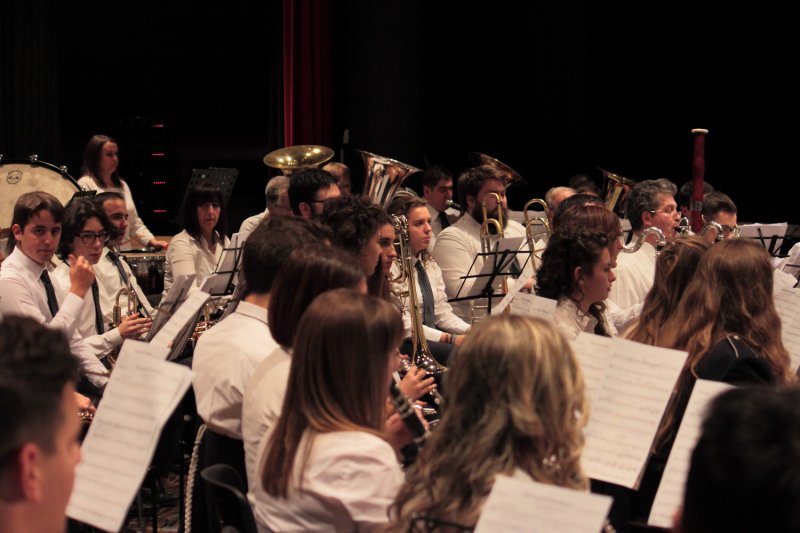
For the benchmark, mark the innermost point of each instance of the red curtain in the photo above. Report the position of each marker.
(307, 86)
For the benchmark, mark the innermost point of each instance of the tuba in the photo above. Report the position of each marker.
(422, 357)
(292, 158)
(511, 176)
(384, 176)
(615, 190)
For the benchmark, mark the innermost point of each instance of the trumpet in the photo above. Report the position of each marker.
(422, 357)
(531, 222)
(133, 305)
(661, 241)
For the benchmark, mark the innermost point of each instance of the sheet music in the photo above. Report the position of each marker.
(787, 304)
(670, 492)
(763, 233)
(629, 385)
(517, 504)
(510, 244)
(531, 305)
(176, 294)
(186, 312)
(513, 292)
(141, 395)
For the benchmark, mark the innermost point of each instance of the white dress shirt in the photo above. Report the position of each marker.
(436, 224)
(446, 319)
(457, 247)
(187, 255)
(224, 360)
(348, 483)
(570, 320)
(250, 223)
(635, 274)
(262, 404)
(136, 227)
(85, 326)
(620, 317)
(22, 293)
(110, 281)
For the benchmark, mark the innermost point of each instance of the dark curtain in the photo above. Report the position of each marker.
(307, 86)
(28, 80)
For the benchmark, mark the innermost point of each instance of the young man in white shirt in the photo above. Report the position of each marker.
(26, 287)
(437, 189)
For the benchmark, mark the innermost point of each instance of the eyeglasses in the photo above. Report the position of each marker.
(88, 237)
(668, 211)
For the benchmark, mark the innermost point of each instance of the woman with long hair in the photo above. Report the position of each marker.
(727, 322)
(515, 407)
(576, 271)
(198, 248)
(99, 173)
(325, 465)
(675, 267)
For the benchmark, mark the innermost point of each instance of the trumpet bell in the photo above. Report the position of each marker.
(293, 158)
(384, 176)
(512, 177)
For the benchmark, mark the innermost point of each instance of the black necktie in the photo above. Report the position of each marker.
(98, 315)
(428, 316)
(52, 303)
(443, 220)
(114, 258)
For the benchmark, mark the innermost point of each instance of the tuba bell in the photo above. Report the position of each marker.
(384, 176)
(293, 158)
(615, 190)
(510, 176)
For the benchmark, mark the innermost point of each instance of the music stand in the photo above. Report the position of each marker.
(770, 236)
(505, 250)
(171, 302)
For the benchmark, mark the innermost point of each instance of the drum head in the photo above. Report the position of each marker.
(20, 177)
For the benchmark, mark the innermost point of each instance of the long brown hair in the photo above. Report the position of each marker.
(675, 267)
(515, 399)
(337, 381)
(91, 160)
(731, 293)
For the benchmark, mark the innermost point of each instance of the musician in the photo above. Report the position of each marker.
(100, 161)
(84, 234)
(727, 322)
(342, 174)
(306, 273)
(324, 466)
(437, 189)
(227, 354)
(198, 248)
(553, 198)
(718, 207)
(675, 267)
(277, 197)
(378, 284)
(583, 184)
(39, 447)
(440, 323)
(650, 203)
(309, 189)
(745, 469)
(27, 287)
(515, 406)
(459, 245)
(684, 197)
(576, 271)
(111, 271)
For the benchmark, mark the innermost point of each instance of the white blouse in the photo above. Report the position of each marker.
(187, 255)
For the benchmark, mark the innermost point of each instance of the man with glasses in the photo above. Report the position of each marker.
(650, 204)
(719, 208)
(309, 189)
(28, 289)
(85, 232)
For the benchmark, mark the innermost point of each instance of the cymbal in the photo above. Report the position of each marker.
(513, 178)
(291, 158)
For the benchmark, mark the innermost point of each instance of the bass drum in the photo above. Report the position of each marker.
(19, 176)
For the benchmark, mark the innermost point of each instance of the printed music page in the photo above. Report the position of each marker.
(517, 504)
(186, 312)
(628, 390)
(175, 296)
(141, 395)
(531, 305)
(508, 244)
(670, 492)
(787, 304)
(513, 292)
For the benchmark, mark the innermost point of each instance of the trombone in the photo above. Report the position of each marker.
(535, 220)
(487, 225)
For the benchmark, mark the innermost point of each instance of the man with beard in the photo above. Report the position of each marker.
(309, 189)
(459, 245)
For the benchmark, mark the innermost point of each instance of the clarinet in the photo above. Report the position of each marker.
(408, 415)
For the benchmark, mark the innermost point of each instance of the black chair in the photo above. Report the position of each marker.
(232, 509)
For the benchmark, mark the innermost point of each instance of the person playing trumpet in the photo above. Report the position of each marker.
(441, 325)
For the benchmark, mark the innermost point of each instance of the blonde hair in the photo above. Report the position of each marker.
(514, 399)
